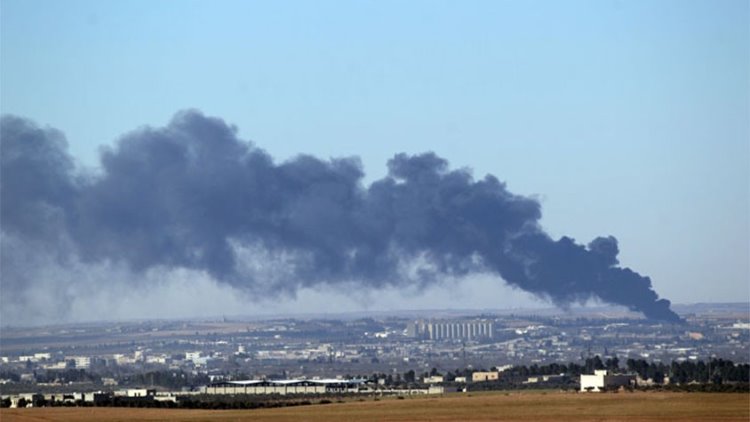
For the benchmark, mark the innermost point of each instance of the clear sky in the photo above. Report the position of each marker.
(628, 118)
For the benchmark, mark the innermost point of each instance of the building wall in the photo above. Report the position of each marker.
(592, 382)
(265, 389)
(602, 379)
(82, 362)
(458, 330)
(485, 376)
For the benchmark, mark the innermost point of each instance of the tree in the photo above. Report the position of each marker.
(593, 364)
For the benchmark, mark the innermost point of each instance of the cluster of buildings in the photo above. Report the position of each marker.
(95, 397)
(202, 352)
(51, 361)
(244, 387)
(601, 380)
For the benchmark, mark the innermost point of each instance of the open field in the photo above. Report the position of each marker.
(526, 406)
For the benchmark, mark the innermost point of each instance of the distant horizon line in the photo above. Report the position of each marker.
(547, 310)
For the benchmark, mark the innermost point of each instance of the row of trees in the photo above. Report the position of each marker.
(187, 402)
(715, 371)
(173, 380)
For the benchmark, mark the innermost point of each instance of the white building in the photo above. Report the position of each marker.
(161, 359)
(434, 379)
(109, 382)
(602, 379)
(80, 362)
(122, 359)
(192, 356)
(56, 365)
(135, 392)
(42, 356)
(443, 330)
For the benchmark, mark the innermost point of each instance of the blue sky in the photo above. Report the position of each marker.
(628, 118)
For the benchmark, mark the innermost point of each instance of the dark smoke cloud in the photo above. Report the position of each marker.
(192, 195)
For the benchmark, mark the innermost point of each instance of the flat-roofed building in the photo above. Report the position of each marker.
(446, 330)
(284, 387)
(485, 376)
(603, 380)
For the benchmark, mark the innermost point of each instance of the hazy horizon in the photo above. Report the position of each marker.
(540, 309)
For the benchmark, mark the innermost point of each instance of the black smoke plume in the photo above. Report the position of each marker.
(192, 195)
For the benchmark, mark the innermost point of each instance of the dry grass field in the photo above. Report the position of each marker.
(525, 406)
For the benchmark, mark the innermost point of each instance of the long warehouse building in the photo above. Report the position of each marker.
(284, 387)
(449, 330)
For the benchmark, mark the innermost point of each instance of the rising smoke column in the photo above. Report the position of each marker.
(192, 195)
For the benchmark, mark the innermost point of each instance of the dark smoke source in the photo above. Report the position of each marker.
(192, 195)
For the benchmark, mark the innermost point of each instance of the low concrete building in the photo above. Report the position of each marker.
(441, 389)
(80, 362)
(71, 398)
(109, 381)
(603, 380)
(546, 378)
(136, 392)
(485, 376)
(26, 400)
